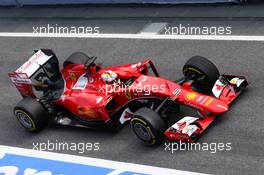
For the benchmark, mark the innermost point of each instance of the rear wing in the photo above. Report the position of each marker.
(21, 76)
(22, 83)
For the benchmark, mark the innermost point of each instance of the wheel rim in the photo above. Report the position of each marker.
(142, 132)
(24, 119)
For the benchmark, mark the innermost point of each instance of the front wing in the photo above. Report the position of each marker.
(227, 88)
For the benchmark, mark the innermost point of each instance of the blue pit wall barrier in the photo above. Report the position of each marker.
(65, 2)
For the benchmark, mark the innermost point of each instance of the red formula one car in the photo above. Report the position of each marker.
(85, 94)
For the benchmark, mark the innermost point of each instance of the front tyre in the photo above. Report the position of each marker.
(148, 126)
(202, 71)
(31, 114)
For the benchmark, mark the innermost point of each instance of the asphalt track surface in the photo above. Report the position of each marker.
(242, 126)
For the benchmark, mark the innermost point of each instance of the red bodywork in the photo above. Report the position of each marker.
(89, 101)
(83, 102)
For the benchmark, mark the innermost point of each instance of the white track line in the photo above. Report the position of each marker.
(138, 36)
(153, 28)
(117, 166)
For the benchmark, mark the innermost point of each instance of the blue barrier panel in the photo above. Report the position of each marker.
(56, 167)
(47, 2)
(8, 2)
(20, 161)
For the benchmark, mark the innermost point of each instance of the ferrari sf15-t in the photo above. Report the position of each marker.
(83, 93)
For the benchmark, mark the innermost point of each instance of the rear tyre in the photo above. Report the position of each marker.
(148, 126)
(31, 114)
(202, 71)
(76, 58)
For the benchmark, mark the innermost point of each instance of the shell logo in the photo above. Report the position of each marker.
(191, 96)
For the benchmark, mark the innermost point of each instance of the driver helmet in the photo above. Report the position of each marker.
(109, 76)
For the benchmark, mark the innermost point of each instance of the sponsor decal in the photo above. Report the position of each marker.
(34, 62)
(218, 88)
(190, 129)
(184, 125)
(237, 81)
(176, 92)
(209, 101)
(191, 96)
(204, 100)
(234, 80)
(22, 83)
(73, 77)
(19, 80)
(128, 95)
(200, 98)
